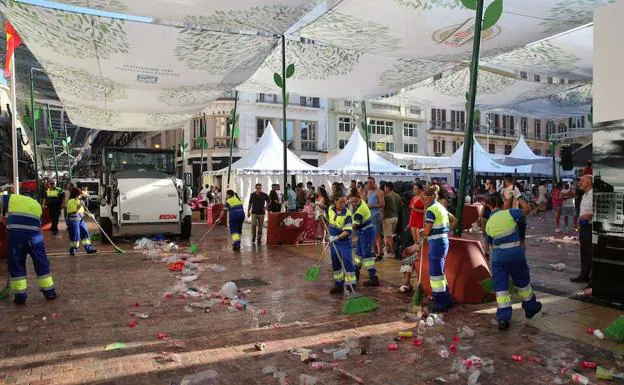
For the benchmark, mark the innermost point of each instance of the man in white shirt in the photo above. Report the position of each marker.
(568, 211)
(542, 197)
(203, 201)
(586, 216)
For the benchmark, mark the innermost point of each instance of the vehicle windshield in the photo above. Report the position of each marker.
(135, 159)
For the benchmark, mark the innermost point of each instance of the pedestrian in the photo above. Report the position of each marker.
(217, 195)
(340, 227)
(438, 223)
(234, 207)
(275, 204)
(490, 186)
(203, 201)
(258, 202)
(567, 206)
(586, 215)
(557, 202)
(365, 232)
(68, 189)
(24, 237)
(310, 188)
(392, 205)
(577, 202)
(78, 233)
(353, 185)
(509, 260)
(417, 212)
(375, 201)
(309, 222)
(542, 197)
(321, 204)
(301, 196)
(290, 199)
(54, 201)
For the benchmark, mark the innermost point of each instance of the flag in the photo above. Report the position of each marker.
(13, 40)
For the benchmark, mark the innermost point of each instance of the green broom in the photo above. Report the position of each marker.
(615, 331)
(117, 249)
(314, 272)
(488, 286)
(194, 247)
(420, 291)
(6, 291)
(356, 304)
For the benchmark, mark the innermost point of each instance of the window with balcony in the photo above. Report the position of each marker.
(492, 148)
(507, 149)
(268, 98)
(439, 146)
(524, 125)
(456, 145)
(537, 125)
(550, 127)
(198, 130)
(410, 129)
(508, 123)
(493, 120)
(382, 146)
(537, 78)
(561, 128)
(261, 124)
(382, 127)
(438, 117)
(523, 75)
(307, 101)
(289, 132)
(410, 148)
(345, 124)
(342, 143)
(576, 122)
(308, 135)
(457, 120)
(414, 110)
(549, 80)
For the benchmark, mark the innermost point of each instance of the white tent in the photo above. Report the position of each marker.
(419, 160)
(264, 164)
(483, 162)
(523, 155)
(352, 161)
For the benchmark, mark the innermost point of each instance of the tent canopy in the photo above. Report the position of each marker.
(483, 162)
(522, 151)
(352, 160)
(266, 157)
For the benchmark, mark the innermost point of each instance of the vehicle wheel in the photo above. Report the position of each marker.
(107, 226)
(185, 232)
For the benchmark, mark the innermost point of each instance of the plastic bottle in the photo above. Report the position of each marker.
(255, 323)
(466, 332)
(418, 341)
(421, 330)
(208, 377)
(443, 351)
(474, 377)
(517, 358)
(599, 334)
(393, 346)
(340, 354)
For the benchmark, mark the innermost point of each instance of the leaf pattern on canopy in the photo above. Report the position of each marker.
(195, 95)
(457, 84)
(568, 14)
(410, 71)
(544, 57)
(82, 84)
(92, 117)
(169, 120)
(75, 35)
(345, 30)
(109, 5)
(430, 4)
(577, 97)
(328, 61)
(221, 53)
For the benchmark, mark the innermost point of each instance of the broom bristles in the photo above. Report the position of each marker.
(488, 286)
(312, 274)
(615, 331)
(357, 305)
(417, 298)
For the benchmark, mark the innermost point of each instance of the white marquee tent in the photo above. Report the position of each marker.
(352, 161)
(522, 155)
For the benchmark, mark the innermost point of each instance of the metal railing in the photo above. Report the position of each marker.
(483, 130)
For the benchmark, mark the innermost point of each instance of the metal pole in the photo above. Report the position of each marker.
(35, 134)
(14, 142)
(202, 142)
(49, 115)
(285, 123)
(473, 173)
(474, 72)
(366, 135)
(554, 175)
(232, 137)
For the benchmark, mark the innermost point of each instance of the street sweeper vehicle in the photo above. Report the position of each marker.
(140, 195)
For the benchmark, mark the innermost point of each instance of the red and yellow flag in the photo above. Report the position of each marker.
(13, 40)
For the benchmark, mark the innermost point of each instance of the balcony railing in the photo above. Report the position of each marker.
(308, 145)
(302, 101)
(483, 130)
(386, 107)
(223, 143)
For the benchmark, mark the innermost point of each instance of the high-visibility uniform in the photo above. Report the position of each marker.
(365, 231)
(54, 201)
(236, 217)
(438, 241)
(24, 237)
(78, 233)
(508, 259)
(339, 222)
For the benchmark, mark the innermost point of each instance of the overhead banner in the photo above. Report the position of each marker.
(115, 74)
(443, 29)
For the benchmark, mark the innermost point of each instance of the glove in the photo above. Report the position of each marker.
(91, 216)
(333, 238)
(218, 222)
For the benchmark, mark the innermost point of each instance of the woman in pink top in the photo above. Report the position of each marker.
(557, 202)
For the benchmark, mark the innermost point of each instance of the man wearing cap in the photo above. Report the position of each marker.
(24, 237)
(54, 202)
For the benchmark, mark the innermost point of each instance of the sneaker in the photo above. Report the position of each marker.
(50, 295)
(336, 290)
(92, 251)
(72, 252)
(532, 314)
(503, 325)
(406, 289)
(253, 240)
(378, 258)
(557, 230)
(373, 281)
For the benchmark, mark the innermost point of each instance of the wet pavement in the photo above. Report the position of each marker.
(64, 342)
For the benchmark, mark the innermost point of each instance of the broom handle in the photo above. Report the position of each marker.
(344, 270)
(206, 233)
(420, 257)
(101, 229)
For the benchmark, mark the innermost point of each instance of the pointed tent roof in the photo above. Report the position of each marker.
(523, 155)
(352, 160)
(266, 158)
(483, 162)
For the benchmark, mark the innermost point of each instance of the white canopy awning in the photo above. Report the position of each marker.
(419, 159)
(352, 160)
(266, 158)
(522, 154)
(483, 162)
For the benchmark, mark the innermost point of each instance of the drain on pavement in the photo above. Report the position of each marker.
(252, 282)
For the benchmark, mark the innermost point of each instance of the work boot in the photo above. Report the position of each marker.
(336, 290)
(19, 299)
(92, 251)
(73, 251)
(532, 314)
(372, 281)
(236, 248)
(50, 295)
(503, 325)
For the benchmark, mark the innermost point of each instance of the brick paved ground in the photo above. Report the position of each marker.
(98, 292)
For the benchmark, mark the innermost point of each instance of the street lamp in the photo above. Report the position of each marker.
(489, 131)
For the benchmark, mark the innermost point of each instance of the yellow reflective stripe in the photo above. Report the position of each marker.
(19, 285)
(45, 282)
(338, 275)
(437, 236)
(526, 293)
(507, 233)
(438, 283)
(508, 245)
(503, 299)
(85, 242)
(74, 244)
(236, 237)
(350, 278)
(369, 263)
(357, 260)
